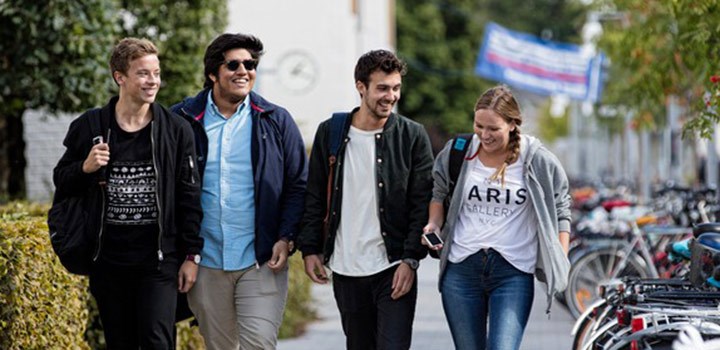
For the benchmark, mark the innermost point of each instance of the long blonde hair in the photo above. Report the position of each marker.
(500, 100)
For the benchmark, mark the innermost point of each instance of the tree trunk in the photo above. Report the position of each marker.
(12, 157)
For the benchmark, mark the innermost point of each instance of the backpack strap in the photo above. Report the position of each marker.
(95, 121)
(459, 148)
(460, 144)
(338, 124)
(337, 131)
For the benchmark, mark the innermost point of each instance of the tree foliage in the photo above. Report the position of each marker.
(663, 48)
(440, 40)
(54, 56)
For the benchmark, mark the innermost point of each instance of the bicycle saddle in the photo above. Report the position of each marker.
(710, 240)
(706, 227)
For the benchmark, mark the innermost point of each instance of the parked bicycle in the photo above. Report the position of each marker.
(636, 313)
(619, 238)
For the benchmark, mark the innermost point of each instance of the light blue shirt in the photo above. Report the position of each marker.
(228, 192)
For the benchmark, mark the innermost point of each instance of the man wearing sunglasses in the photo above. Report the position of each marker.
(254, 168)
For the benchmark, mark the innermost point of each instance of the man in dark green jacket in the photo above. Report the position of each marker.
(382, 181)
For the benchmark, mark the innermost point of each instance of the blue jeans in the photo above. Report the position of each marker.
(485, 287)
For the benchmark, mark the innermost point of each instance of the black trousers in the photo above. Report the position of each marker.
(370, 318)
(136, 305)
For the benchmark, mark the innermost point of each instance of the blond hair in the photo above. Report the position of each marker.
(500, 100)
(127, 50)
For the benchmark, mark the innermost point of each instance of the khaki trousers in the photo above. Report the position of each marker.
(239, 309)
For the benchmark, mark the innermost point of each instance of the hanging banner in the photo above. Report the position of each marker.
(544, 67)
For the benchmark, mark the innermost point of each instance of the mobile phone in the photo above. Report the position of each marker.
(97, 139)
(432, 239)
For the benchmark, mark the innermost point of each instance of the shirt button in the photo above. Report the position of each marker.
(379, 160)
(380, 184)
(378, 136)
(384, 234)
(382, 210)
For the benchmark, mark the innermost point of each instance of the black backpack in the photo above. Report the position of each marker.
(73, 222)
(460, 144)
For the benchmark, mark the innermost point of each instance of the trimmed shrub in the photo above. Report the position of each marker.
(43, 307)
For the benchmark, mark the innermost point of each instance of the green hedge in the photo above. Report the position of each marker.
(42, 306)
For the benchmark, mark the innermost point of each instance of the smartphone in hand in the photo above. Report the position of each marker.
(432, 238)
(102, 181)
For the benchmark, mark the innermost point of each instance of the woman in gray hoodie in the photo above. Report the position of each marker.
(508, 220)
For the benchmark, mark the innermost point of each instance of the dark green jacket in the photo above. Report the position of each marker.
(403, 184)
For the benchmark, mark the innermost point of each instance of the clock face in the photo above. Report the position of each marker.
(297, 72)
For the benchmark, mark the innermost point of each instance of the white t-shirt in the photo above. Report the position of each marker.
(493, 216)
(359, 246)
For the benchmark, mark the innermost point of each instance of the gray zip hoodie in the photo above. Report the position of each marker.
(548, 189)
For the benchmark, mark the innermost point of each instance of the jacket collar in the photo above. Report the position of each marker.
(195, 106)
(389, 124)
(108, 111)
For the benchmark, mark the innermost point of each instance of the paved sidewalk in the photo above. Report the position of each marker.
(430, 330)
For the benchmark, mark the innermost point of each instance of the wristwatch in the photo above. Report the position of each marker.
(194, 258)
(413, 263)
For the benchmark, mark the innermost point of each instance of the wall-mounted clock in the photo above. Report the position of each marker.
(297, 72)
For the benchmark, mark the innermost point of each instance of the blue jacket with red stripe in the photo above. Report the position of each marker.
(279, 161)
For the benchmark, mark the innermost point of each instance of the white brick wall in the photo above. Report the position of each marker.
(43, 136)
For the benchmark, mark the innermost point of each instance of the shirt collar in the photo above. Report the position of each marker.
(211, 106)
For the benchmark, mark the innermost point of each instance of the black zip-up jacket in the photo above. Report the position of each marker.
(403, 176)
(178, 182)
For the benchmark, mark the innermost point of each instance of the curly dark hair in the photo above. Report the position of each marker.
(378, 60)
(215, 52)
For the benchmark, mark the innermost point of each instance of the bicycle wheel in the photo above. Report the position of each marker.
(589, 322)
(597, 267)
(584, 331)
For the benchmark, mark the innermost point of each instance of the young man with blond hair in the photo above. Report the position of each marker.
(138, 166)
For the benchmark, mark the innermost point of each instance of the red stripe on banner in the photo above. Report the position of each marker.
(535, 70)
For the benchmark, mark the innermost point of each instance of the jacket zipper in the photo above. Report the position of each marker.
(192, 167)
(102, 213)
(102, 225)
(157, 194)
(255, 124)
(550, 278)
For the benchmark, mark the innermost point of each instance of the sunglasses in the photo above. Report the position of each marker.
(233, 65)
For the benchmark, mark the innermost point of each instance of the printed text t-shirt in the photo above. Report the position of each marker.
(496, 216)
